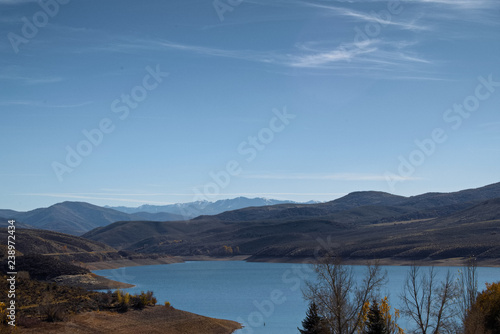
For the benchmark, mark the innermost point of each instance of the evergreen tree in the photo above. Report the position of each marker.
(313, 323)
(375, 323)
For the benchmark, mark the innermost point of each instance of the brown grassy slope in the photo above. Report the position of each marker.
(38, 301)
(157, 319)
(62, 246)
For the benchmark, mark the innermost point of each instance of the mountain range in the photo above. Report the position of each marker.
(194, 209)
(360, 225)
(77, 218)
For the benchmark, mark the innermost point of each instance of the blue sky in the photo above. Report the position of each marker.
(134, 102)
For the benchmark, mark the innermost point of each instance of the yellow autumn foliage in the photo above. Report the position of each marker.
(3, 313)
(484, 316)
(385, 311)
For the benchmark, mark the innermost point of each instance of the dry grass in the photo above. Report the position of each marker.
(157, 319)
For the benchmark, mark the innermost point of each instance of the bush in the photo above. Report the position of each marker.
(122, 301)
(3, 313)
(144, 299)
(484, 316)
(137, 301)
(52, 312)
(51, 309)
(104, 300)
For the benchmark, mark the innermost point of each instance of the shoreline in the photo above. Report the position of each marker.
(115, 264)
(450, 262)
(91, 282)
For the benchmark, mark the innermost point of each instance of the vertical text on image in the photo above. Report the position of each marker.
(11, 273)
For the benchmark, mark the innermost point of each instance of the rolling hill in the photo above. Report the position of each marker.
(59, 245)
(77, 218)
(428, 205)
(361, 225)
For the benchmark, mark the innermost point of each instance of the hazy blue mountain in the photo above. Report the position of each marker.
(77, 217)
(194, 209)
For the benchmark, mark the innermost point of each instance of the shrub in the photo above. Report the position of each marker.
(137, 301)
(3, 313)
(104, 299)
(143, 300)
(122, 301)
(52, 312)
(50, 308)
(484, 316)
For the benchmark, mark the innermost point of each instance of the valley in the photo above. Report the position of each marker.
(359, 226)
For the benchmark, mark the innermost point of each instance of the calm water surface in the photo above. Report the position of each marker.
(264, 297)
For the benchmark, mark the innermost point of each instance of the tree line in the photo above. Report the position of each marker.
(341, 304)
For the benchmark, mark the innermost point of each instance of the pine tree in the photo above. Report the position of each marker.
(375, 323)
(313, 323)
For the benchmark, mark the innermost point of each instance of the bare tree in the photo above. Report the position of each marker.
(339, 296)
(430, 303)
(467, 281)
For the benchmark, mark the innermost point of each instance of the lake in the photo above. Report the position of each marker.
(264, 297)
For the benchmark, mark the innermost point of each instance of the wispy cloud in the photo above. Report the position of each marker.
(65, 196)
(31, 103)
(139, 201)
(368, 17)
(489, 128)
(322, 58)
(319, 176)
(30, 80)
(466, 4)
(482, 12)
(389, 54)
(275, 194)
(371, 54)
(419, 78)
(20, 174)
(454, 3)
(15, 2)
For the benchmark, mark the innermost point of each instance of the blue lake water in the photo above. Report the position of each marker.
(264, 297)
